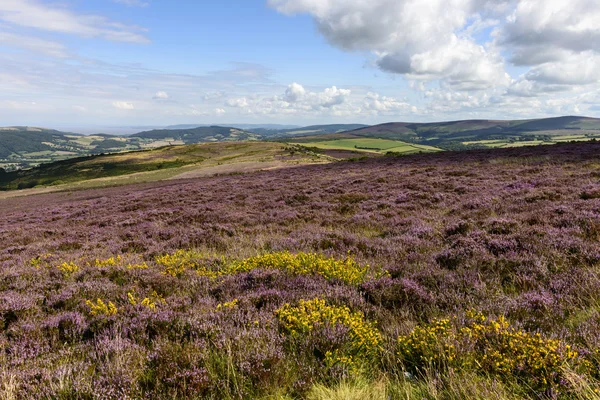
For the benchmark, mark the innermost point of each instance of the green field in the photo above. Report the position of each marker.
(371, 146)
(535, 141)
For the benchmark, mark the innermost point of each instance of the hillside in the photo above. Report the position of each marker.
(26, 147)
(158, 164)
(307, 130)
(477, 133)
(454, 275)
(198, 135)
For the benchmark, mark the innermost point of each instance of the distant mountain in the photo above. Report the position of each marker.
(248, 127)
(22, 139)
(25, 147)
(454, 134)
(199, 135)
(308, 130)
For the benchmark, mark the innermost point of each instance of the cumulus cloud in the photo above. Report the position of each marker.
(421, 39)
(161, 95)
(432, 40)
(294, 92)
(34, 14)
(385, 105)
(123, 105)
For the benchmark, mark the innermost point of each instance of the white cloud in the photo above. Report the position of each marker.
(384, 105)
(34, 14)
(46, 47)
(294, 92)
(123, 105)
(415, 37)
(161, 95)
(219, 111)
(79, 108)
(241, 102)
(437, 40)
(132, 3)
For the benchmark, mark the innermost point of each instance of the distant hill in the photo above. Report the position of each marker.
(167, 162)
(199, 135)
(308, 130)
(479, 128)
(23, 147)
(248, 127)
(21, 139)
(455, 135)
(26, 147)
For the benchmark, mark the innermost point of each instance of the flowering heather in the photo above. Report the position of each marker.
(189, 289)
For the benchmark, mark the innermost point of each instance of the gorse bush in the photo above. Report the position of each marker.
(99, 307)
(150, 302)
(490, 346)
(177, 263)
(109, 262)
(362, 339)
(347, 270)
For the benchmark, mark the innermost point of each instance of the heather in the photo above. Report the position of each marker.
(451, 275)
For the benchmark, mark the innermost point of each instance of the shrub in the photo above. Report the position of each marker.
(347, 270)
(68, 269)
(101, 308)
(363, 340)
(491, 346)
(177, 263)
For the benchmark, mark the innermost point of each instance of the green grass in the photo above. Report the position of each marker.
(157, 164)
(371, 145)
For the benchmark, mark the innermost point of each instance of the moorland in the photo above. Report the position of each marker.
(27, 147)
(446, 275)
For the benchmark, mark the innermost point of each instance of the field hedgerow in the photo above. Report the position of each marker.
(243, 287)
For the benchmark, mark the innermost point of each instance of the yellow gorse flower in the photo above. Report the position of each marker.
(346, 270)
(109, 262)
(364, 341)
(228, 305)
(68, 268)
(490, 345)
(149, 302)
(101, 308)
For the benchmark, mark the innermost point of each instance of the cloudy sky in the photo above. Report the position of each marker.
(160, 62)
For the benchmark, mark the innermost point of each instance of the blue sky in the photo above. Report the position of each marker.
(156, 62)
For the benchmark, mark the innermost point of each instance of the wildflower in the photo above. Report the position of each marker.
(101, 308)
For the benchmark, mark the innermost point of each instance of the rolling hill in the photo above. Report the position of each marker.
(160, 163)
(307, 130)
(198, 135)
(26, 147)
(473, 133)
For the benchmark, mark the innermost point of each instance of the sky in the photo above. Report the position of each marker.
(110, 63)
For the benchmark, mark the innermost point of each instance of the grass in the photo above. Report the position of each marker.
(371, 145)
(158, 164)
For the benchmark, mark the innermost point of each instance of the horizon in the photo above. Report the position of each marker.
(131, 130)
(116, 64)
